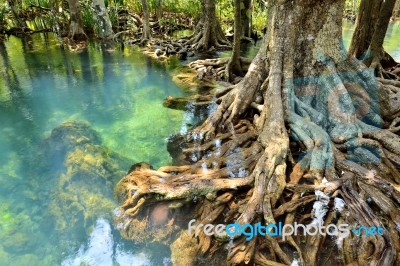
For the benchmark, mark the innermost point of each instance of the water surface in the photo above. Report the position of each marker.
(119, 93)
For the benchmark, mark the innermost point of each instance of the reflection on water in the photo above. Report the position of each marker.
(119, 94)
(101, 250)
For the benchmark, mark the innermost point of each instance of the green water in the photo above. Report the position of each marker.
(119, 94)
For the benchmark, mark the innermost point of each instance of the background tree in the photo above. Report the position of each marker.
(234, 65)
(105, 27)
(245, 16)
(375, 51)
(241, 168)
(76, 31)
(367, 41)
(396, 12)
(146, 22)
(15, 6)
(366, 22)
(208, 32)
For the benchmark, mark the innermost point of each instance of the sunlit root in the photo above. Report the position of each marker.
(284, 147)
(216, 68)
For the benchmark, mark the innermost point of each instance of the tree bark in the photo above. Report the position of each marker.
(208, 33)
(159, 10)
(396, 12)
(366, 22)
(106, 31)
(234, 65)
(146, 23)
(76, 31)
(376, 51)
(246, 17)
(301, 89)
(13, 7)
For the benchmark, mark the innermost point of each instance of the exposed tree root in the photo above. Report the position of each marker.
(318, 149)
(216, 68)
(208, 35)
(187, 103)
(208, 38)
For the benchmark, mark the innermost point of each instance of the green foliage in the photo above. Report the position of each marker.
(351, 6)
(225, 11)
(185, 7)
(3, 14)
(114, 6)
(42, 3)
(259, 17)
(88, 16)
(171, 10)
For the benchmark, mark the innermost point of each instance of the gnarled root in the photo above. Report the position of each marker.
(208, 36)
(246, 173)
(279, 149)
(216, 68)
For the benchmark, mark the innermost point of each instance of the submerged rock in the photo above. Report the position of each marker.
(81, 175)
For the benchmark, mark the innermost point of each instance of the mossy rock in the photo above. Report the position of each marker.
(81, 188)
(186, 79)
(27, 259)
(71, 134)
(18, 242)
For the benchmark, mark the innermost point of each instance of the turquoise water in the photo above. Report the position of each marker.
(47, 218)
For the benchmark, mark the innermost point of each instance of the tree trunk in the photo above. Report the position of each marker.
(366, 22)
(208, 33)
(106, 31)
(159, 10)
(341, 166)
(246, 17)
(234, 66)
(376, 52)
(76, 31)
(396, 12)
(146, 22)
(13, 7)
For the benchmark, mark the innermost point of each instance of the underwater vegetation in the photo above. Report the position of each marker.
(82, 190)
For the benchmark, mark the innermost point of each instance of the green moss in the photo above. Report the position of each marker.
(83, 191)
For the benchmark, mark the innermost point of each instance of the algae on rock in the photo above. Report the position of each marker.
(83, 181)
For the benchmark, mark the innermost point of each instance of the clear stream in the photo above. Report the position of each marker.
(119, 93)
